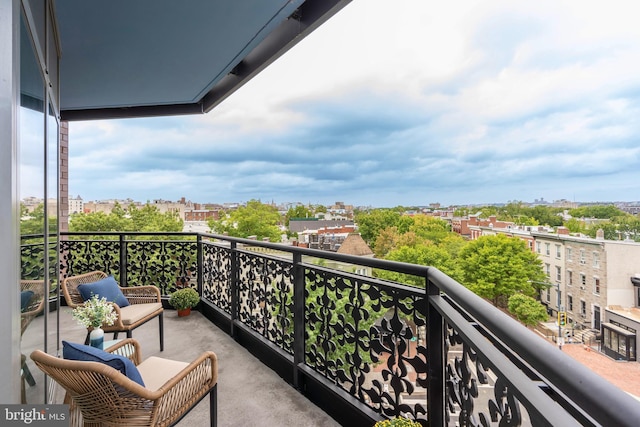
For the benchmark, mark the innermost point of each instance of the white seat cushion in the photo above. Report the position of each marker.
(155, 371)
(134, 312)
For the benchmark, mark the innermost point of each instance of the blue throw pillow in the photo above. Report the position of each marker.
(25, 299)
(107, 288)
(86, 353)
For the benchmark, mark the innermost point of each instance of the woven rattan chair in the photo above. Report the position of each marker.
(100, 395)
(145, 304)
(35, 305)
(33, 308)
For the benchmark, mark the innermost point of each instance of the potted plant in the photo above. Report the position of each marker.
(94, 313)
(184, 300)
(398, 422)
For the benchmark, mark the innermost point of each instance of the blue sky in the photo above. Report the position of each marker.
(404, 103)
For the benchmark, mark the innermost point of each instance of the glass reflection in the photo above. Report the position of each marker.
(53, 185)
(32, 220)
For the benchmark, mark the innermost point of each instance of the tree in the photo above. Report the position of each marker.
(299, 211)
(148, 218)
(575, 226)
(497, 266)
(371, 223)
(254, 219)
(596, 211)
(386, 241)
(426, 254)
(527, 310)
(430, 228)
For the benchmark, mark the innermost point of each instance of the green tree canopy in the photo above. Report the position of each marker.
(496, 267)
(527, 310)
(371, 223)
(299, 211)
(596, 211)
(426, 254)
(148, 218)
(255, 219)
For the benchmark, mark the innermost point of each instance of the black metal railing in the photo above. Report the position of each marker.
(360, 347)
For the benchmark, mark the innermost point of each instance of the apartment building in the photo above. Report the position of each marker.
(595, 281)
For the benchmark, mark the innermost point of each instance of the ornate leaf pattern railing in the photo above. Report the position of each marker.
(216, 275)
(265, 297)
(439, 355)
(362, 335)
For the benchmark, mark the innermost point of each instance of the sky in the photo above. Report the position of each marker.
(406, 103)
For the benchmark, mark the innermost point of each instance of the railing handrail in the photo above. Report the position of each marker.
(570, 377)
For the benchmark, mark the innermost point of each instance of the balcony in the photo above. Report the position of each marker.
(361, 349)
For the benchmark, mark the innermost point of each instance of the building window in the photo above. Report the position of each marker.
(596, 285)
(583, 308)
(569, 303)
(583, 280)
(547, 270)
(558, 251)
(558, 273)
(583, 260)
(569, 278)
(596, 259)
(548, 294)
(569, 254)
(547, 248)
(538, 246)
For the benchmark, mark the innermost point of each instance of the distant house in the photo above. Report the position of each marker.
(300, 225)
(354, 244)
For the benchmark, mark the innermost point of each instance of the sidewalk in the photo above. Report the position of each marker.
(625, 375)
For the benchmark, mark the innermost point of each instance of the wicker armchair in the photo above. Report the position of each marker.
(30, 311)
(145, 304)
(101, 395)
(35, 305)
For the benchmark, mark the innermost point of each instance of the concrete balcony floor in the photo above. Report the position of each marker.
(249, 393)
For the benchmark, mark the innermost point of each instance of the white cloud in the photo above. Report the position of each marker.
(407, 102)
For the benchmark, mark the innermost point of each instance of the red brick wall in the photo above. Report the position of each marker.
(64, 176)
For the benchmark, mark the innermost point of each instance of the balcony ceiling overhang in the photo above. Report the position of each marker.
(124, 58)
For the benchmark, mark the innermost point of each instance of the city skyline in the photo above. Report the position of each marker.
(474, 103)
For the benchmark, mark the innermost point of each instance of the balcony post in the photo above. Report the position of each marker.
(199, 262)
(235, 277)
(435, 359)
(298, 318)
(123, 261)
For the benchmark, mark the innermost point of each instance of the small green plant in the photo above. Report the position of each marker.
(184, 298)
(398, 422)
(95, 312)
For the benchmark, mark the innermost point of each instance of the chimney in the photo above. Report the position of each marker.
(600, 234)
(563, 231)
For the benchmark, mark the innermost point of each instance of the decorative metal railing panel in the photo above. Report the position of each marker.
(169, 265)
(440, 355)
(32, 261)
(82, 256)
(368, 337)
(265, 293)
(217, 275)
(475, 394)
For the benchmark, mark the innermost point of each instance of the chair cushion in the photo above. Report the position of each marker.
(131, 314)
(86, 353)
(156, 371)
(25, 299)
(107, 288)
